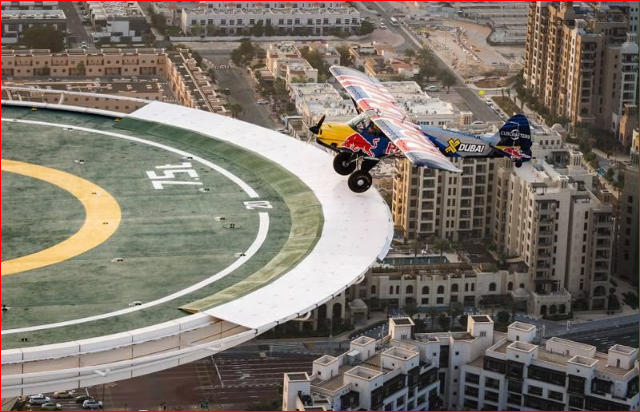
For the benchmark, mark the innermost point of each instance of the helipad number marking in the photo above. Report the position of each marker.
(258, 204)
(169, 172)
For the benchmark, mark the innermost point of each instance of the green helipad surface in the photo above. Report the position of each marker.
(190, 226)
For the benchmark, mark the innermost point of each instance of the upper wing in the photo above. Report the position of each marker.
(370, 95)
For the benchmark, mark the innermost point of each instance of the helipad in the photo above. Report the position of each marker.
(110, 227)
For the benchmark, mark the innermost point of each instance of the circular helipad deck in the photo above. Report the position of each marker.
(133, 245)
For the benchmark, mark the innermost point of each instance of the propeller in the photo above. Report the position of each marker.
(316, 129)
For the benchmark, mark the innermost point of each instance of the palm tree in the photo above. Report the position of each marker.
(441, 245)
(455, 309)
(433, 314)
(236, 110)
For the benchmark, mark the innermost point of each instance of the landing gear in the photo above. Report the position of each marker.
(518, 163)
(360, 181)
(344, 163)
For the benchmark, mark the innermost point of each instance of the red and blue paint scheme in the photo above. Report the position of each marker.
(382, 129)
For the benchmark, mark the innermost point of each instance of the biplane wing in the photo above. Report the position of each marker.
(372, 97)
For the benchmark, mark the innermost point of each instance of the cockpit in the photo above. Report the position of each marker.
(363, 124)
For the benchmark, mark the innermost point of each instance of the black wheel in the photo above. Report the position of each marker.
(360, 181)
(518, 164)
(343, 163)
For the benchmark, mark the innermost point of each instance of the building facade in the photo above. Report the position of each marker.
(478, 369)
(515, 374)
(553, 219)
(429, 203)
(303, 18)
(576, 63)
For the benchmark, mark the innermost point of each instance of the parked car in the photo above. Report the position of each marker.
(262, 101)
(92, 404)
(38, 399)
(431, 89)
(51, 406)
(82, 398)
(62, 394)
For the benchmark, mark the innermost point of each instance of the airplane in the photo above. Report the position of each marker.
(382, 129)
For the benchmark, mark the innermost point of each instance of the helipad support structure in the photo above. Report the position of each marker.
(357, 230)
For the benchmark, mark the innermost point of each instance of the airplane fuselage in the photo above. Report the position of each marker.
(341, 137)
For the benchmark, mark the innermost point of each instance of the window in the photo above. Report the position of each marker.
(440, 290)
(491, 396)
(492, 383)
(471, 391)
(472, 378)
(558, 396)
(492, 287)
(535, 390)
(409, 290)
(454, 288)
(425, 290)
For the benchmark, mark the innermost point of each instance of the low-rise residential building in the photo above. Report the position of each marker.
(516, 374)
(303, 18)
(478, 369)
(15, 22)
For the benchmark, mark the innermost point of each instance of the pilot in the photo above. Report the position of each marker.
(374, 129)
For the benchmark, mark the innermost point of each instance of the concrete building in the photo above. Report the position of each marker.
(191, 86)
(627, 242)
(16, 21)
(516, 374)
(548, 215)
(117, 19)
(397, 282)
(295, 17)
(472, 370)
(429, 203)
(577, 62)
(29, 5)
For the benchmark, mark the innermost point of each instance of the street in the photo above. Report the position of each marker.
(241, 90)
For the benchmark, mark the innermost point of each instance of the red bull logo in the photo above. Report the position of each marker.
(356, 143)
(513, 151)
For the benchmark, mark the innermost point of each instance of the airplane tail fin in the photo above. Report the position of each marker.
(516, 132)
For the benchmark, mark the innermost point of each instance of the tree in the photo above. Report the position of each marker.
(44, 37)
(410, 308)
(410, 53)
(258, 29)
(447, 79)
(455, 309)
(81, 69)
(236, 110)
(345, 56)
(464, 320)
(441, 245)
(503, 316)
(366, 27)
(212, 74)
(269, 30)
(149, 39)
(433, 314)
(443, 322)
(195, 30)
(211, 30)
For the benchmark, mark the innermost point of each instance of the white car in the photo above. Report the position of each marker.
(262, 101)
(431, 89)
(92, 404)
(38, 399)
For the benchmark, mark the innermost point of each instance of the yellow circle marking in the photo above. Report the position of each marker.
(102, 217)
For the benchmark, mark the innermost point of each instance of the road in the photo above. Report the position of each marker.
(609, 325)
(74, 22)
(241, 89)
(468, 99)
(627, 336)
(227, 381)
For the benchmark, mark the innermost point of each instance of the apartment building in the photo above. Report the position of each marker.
(549, 215)
(303, 18)
(117, 18)
(515, 374)
(395, 283)
(478, 369)
(627, 242)
(430, 203)
(579, 62)
(191, 86)
(16, 20)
